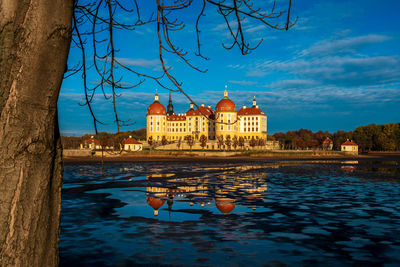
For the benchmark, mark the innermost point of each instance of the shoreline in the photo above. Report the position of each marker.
(195, 157)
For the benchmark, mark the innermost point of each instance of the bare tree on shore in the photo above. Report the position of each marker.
(34, 44)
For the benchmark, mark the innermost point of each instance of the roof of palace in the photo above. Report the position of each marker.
(327, 141)
(200, 111)
(175, 117)
(250, 111)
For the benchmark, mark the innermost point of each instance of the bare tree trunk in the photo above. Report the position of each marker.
(34, 43)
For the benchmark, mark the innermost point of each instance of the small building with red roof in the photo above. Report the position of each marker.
(327, 144)
(91, 143)
(131, 144)
(349, 147)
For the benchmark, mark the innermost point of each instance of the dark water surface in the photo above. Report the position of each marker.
(231, 214)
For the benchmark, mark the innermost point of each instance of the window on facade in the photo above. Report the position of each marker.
(222, 127)
(257, 129)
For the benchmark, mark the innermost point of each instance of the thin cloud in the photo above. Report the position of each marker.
(139, 62)
(245, 83)
(346, 45)
(256, 73)
(255, 28)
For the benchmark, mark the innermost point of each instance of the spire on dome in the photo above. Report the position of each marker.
(226, 92)
(156, 96)
(254, 101)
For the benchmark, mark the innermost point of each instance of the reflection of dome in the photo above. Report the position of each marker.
(225, 205)
(155, 203)
(226, 105)
(156, 109)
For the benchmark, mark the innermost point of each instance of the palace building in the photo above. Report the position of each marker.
(225, 120)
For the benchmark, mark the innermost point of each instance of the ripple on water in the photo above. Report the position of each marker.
(234, 214)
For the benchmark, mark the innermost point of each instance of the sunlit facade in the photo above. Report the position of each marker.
(225, 120)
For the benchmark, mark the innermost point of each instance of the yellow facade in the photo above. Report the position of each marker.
(224, 121)
(252, 126)
(227, 124)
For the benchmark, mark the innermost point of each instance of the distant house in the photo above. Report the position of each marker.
(130, 144)
(327, 144)
(91, 143)
(349, 146)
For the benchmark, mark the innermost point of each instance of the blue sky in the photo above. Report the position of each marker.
(336, 69)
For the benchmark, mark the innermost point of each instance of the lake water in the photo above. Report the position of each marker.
(231, 214)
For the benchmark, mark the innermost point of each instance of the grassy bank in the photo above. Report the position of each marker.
(209, 155)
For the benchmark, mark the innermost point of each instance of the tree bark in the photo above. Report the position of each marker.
(34, 43)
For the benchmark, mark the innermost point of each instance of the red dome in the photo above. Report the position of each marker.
(155, 203)
(156, 109)
(226, 105)
(225, 205)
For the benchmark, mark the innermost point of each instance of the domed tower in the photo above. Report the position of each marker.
(156, 120)
(226, 117)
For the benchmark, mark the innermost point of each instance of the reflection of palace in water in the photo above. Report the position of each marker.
(226, 192)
